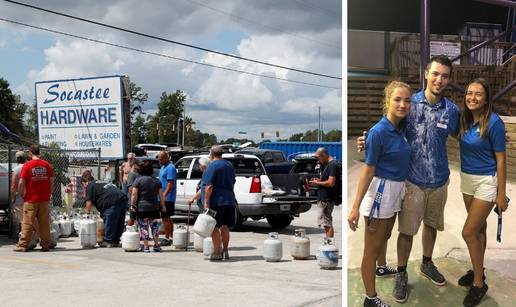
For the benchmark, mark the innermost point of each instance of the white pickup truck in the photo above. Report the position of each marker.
(253, 189)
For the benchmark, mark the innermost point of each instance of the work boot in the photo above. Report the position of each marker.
(475, 295)
(400, 287)
(430, 271)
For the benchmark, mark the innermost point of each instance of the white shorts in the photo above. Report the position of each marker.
(393, 193)
(483, 187)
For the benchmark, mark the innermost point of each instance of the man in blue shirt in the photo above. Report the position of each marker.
(217, 183)
(167, 176)
(431, 119)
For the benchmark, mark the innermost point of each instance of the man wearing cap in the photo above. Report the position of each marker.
(36, 180)
(110, 202)
(16, 199)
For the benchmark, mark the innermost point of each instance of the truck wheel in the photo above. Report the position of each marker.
(279, 221)
(239, 219)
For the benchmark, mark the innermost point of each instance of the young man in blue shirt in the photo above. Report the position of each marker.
(431, 119)
(168, 176)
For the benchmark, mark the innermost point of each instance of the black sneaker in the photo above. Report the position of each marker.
(165, 242)
(467, 279)
(400, 289)
(385, 271)
(430, 271)
(374, 302)
(475, 295)
(105, 244)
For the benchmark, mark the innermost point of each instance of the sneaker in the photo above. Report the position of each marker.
(45, 250)
(146, 249)
(157, 249)
(165, 242)
(385, 271)
(400, 287)
(467, 279)
(475, 295)
(374, 302)
(225, 255)
(20, 249)
(105, 244)
(215, 257)
(430, 271)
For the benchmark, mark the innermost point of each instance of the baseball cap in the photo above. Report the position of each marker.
(20, 154)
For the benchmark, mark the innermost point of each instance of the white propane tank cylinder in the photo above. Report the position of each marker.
(65, 226)
(207, 247)
(33, 240)
(56, 227)
(77, 224)
(131, 239)
(205, 223)
(198, 242)
(328, 255)
(161, 230)
(180, 237)
(54, 236)
(301, 248)
(87, 232)
(272, 248)
(100, 230)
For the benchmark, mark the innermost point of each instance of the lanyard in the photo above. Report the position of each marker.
(376, 204)
(499, 229)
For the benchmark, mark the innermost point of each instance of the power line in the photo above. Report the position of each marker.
(262, 25)
(322, 10)
(172, 41)
(165, 55)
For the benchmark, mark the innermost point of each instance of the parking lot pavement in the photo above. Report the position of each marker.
(71, 276)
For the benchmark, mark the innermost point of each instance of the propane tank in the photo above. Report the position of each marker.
(130, 239)
(87, 232)
(328, 255)
(161, 229)
(205, 223)
(100, 230)
(77, 224)
(33, 240)
(65, 226)
(54, 236)
(272, 248)
(207, 247)
(301, 248)
(198, 242)
(56, 227)
(180, 237)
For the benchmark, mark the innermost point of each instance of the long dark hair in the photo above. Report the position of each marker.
(466, 117)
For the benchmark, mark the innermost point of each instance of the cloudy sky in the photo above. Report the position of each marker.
(304, 34)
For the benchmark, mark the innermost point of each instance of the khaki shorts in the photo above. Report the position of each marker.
(479, 186)
(324, 211)
(422, 204)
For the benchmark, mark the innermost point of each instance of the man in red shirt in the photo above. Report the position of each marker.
(36, 179)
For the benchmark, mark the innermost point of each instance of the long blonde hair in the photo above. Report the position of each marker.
(389, 89)
(466, 117)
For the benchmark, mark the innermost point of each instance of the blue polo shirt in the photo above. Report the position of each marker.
(221, 175)
(477, 155)
(428, 127)
(387, 150)
(168, 173)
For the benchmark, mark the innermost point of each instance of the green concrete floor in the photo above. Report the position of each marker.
(422, 293)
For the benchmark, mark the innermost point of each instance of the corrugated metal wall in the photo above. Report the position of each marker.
(291, 148)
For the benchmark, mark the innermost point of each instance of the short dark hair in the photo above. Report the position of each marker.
(441, 59)
(34, 149)
(146, 168)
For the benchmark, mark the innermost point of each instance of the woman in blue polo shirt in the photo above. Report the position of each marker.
(483, 173)
(382, 182)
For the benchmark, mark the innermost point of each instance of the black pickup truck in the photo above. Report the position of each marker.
(274, 161)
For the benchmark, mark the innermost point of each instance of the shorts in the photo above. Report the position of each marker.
(483, 187)
(225, 215)
(422, 204)
(324, 211)
(153, 215)
(171, 208)
(393, 193)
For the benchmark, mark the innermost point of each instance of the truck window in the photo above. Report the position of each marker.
(182, 168)
(196, 170)
(246, 166)
(278, 156)
(267, 157)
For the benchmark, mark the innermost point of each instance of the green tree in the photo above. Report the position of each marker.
(296, 137)
(333, 136)
(139, 130)
(12, 109)
(170, 108)
(138, 99)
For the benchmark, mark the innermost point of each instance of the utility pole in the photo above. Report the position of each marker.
(319, 128)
